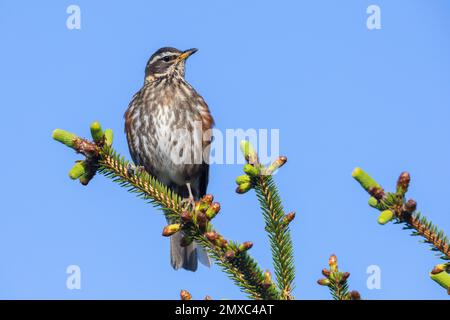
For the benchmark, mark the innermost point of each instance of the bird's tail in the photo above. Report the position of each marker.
(186, 257)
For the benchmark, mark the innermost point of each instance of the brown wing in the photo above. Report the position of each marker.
(132, 107)
(207, 124)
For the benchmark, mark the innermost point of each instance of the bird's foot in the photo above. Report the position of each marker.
(188, 203)
(133, 169)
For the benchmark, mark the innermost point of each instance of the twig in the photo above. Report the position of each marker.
(239, 265)
(260, 178)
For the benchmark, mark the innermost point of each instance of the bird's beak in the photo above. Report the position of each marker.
(186, 54)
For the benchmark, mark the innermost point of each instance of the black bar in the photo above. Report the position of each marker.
(223, 309)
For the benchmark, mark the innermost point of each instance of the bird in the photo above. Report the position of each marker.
(167, 125)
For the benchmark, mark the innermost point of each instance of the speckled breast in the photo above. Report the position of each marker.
(164, 131)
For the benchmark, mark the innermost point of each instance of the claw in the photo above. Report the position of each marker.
(190, 201)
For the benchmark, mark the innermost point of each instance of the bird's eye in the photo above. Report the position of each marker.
(167, 58)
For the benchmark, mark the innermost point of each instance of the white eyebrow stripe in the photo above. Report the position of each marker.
(162, 55)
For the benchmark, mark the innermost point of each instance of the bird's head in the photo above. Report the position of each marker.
(167, 61)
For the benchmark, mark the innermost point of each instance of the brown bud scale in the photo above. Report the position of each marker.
(185, 295)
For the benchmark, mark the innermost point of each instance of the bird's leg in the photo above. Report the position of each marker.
(190, 200)
(133, 169)
(191, 196)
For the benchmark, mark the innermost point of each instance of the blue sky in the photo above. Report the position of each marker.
(341, 95)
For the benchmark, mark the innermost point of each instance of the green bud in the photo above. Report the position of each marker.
(221, 242)
(373, 202)
(276, 165)
(77, 170)
(366, 181)
(201, 206)
(267, 279)
(65, 137)
(385, 216)
(245, 246)
(86, 178)
(249, 152)
(243, 188)
(323, 282)
(440, 276)
(213, 210)
(109, 135)
(243, 179)
(171, 229)
(96, 131)
(251, 170)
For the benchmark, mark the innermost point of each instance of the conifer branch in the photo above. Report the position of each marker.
(260, 178)
(195, 223)
(336, 281)
(394, 206)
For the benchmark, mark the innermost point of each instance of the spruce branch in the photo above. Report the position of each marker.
(260, 178)
(336, 281)
(195, 223)
(394, 207)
